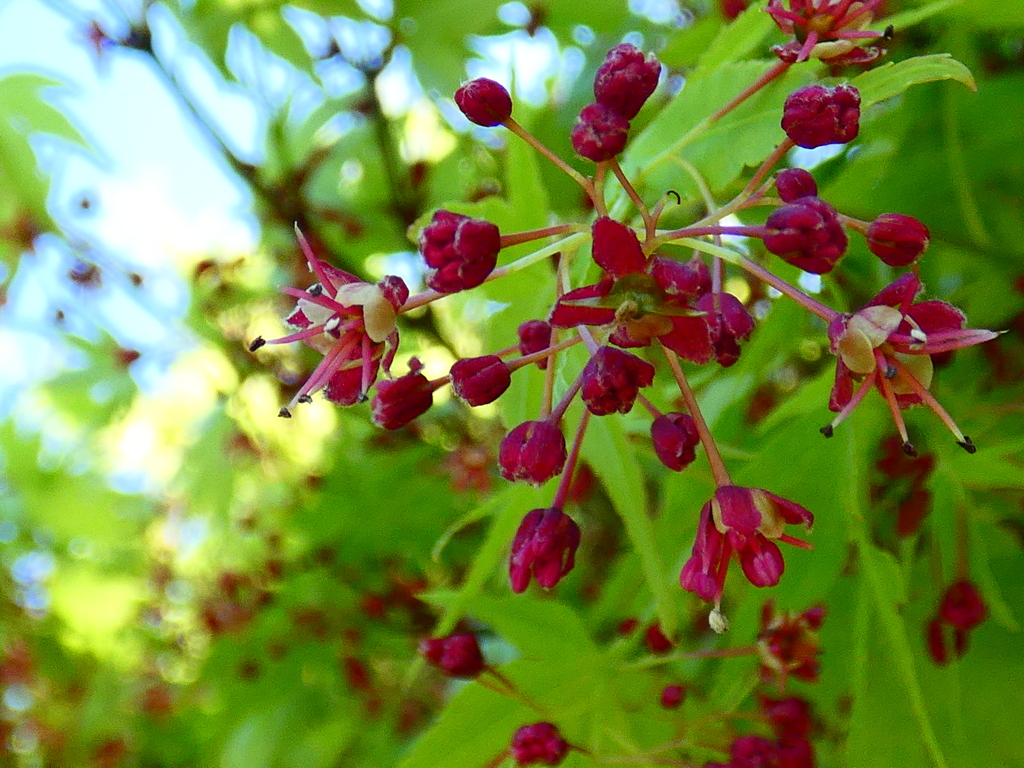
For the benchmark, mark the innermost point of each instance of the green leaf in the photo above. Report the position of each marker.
(901, 21)
(735, 41)
(607, 448)
(890, 79)
(21, 105)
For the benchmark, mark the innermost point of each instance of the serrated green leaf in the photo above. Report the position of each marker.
(606, 447)
(737, 40)
(890, 79)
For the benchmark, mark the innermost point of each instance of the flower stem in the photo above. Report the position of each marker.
(537, 234)
(707, 440)
(723, 653)
(570, 463)
(811, 305)
(776, 70)
(533, 141)
(649, 223)
(533, 357)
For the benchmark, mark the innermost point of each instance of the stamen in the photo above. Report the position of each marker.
(284, 413)
(305, 399)
(321, 301)
(808, 46)
(314, 263)
(364, 385)
(330, 363)
(256, 343)
(315, 289)
(929, 399)
(894, 406)
(865, 385)
(307, 333)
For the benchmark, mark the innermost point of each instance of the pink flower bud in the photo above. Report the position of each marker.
(544, 547)
(538, 744)
(600, 133)
(897, 239)
(672, 696)
(460, 251)
(807, 234)
(612, 379)
(626, 79)
(790, 718)
(399, 401)
(675, 439)
(616, 248)
(484, 102)
(534, 451)
(480, 380)
(457, 655)
(962, 606)
(794, 183)
(535, 335)
(816, 115)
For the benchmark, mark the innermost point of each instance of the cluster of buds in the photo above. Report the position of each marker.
(538, 744)
(960, 611)
(790, 720)
(647, 310)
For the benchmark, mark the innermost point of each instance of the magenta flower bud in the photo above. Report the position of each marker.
(616, 248)
(538, 744)
(657, 641)
(534, 451)
(399, 401)
(484, 102)
(729, 322)
(790, 718)
(751, 751)
(962, 606)
(480, 380)
(460, 251)
(535, 335)
(672, 696)
(544, 547)
(456, 655)
(612, 379)
(807, 234)
(816, 115)
(897, 239)
(626, 79)
(675, 440)
(794, 183)
(600, 133)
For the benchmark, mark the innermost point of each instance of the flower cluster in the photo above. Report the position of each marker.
(788, 644)
(646, 310)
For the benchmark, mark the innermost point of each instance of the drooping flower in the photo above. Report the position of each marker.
(675, 439)
(896, 239)
(399, 401)
(888, 344)
(746, 522)
(600, 133)
(816, 115)
(544, 548)
(612, 380)
(834, 31)
(626, 79)
(534, 451)
(460, 251)
(350, 322)
(480, 380)
(961, 610)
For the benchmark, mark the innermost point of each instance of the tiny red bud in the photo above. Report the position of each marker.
(672, 696)
(538, 744)
(460, 251)
(399, 401)
(480, 380)
(962, 606)
(626, 79)
(534, 451)
(535, 335)
(656, 640)
(544, 548)
(816, 115)
(675, 440)
(794, 183)
(456, 655)
(897, 239)
(806, 233)
(612, 380)
(484, 102)
(600, 133)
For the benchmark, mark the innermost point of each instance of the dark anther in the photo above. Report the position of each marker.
(910, 450)
(890, 371)
(315, 289)
(679, 200)
(363, 397)
(305, 399)
(827, 430)
(967, 444)
(256, 343)
(284, 413)
(889, 32)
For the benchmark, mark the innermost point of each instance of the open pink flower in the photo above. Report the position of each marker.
(889, 344)
(834, 31)
(350, 322)
(746, 522)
